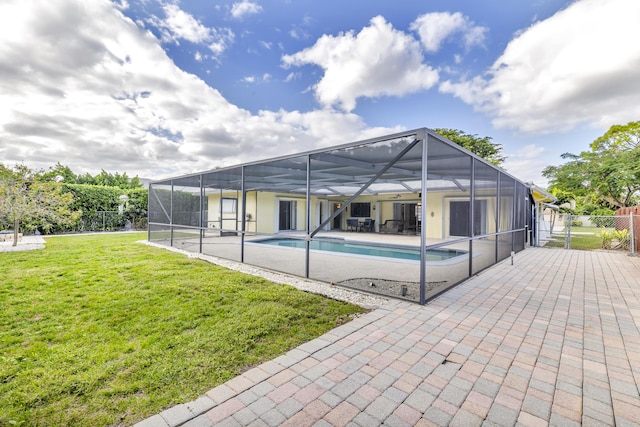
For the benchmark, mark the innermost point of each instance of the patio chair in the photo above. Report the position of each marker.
(367, 225)
(352, 224)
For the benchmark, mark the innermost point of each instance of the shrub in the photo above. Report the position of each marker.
(95, 200)
(607, 238)
(603, 221)
(622, 239)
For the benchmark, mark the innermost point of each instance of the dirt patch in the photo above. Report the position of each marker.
(392, 288)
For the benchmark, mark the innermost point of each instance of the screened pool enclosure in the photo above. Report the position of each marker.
(407, 215)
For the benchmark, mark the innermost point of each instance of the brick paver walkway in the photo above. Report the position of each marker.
(551, 340)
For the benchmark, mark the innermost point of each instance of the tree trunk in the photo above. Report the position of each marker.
(16, 224)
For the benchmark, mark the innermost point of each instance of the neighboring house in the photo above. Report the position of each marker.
(407, 215)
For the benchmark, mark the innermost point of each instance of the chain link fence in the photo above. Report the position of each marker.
(591, 232)
(110, 221)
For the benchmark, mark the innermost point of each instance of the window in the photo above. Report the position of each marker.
(229, 205)
(361, 210)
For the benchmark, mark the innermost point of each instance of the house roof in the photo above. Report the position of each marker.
(541, 195)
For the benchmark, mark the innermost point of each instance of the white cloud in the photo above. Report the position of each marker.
(434, 28)
(578, 66)
(253, 79)
(475, 36)
(102, 94)
(298, 33)
(222, 39)
(245, 7)
(377, 61)
(292, 76)
(527, 164)
(179, 25)
(121, 4)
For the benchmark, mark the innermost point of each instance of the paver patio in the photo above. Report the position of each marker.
(552, 340)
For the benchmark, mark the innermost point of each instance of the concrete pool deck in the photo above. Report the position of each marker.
(552, 340)
(351, 270)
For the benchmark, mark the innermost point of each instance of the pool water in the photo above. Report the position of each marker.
(369, 250)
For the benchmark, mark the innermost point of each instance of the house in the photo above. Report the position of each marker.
(407, 215)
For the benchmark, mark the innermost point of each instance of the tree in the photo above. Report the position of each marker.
(570, 180)
(619, 137)
(616, 176)
(608, 176)
(23, 197)
(109, 180)
(482, 146)
(63, 173)
(58, 173)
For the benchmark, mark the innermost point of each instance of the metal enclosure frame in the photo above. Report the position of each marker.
(436, 185)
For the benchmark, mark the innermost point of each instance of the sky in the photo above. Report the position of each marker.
(159, 88)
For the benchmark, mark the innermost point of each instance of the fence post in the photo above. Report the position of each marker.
(632, 239)
(567, 241)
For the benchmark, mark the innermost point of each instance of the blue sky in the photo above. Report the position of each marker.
(157, 88)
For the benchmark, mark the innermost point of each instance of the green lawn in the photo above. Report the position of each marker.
(99, 330)
(582, 238)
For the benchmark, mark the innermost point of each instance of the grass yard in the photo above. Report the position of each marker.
(582, 238)
(99, 330)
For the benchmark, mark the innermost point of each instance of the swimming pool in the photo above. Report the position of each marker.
(396, 252)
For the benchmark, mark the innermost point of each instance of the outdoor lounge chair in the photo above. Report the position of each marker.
(391, 226)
